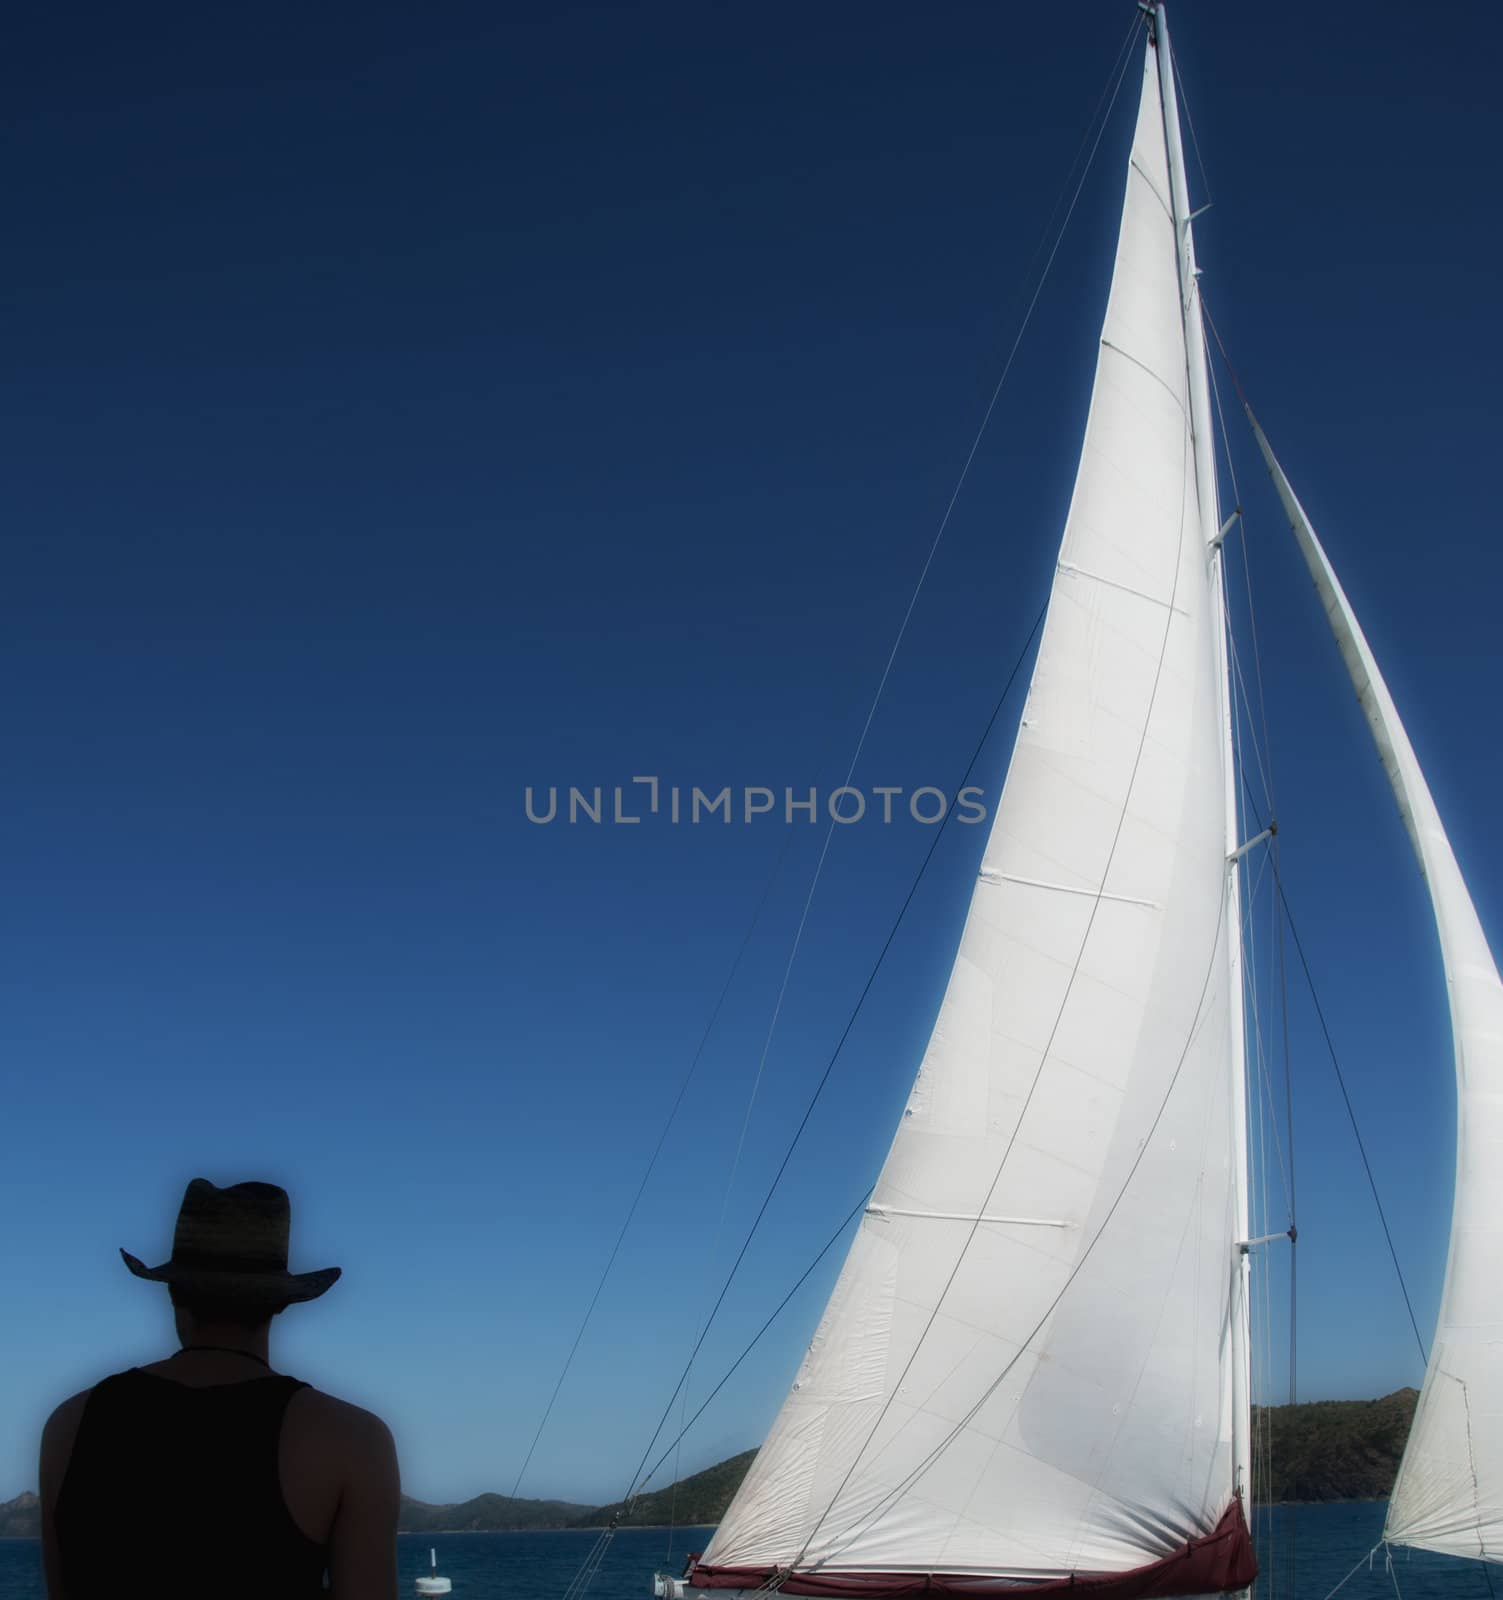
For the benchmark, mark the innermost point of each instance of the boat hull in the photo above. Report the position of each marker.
(1217, 1563)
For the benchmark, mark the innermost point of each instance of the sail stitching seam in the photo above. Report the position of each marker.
(1471, 1461)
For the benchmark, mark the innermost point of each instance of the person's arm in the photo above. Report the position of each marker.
(58, 1434)
(363, 1541)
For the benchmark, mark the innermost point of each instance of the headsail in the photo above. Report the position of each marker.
(1449, 1491)
(1029, 1366)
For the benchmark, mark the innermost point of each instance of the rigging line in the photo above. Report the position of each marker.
(677, 1479)
(985, 1205)
(1184, 101)
(1355, 1570)
(851, 1021)
(1274, 916)
(1260, 1045)
(1226, 445)
(1252, 618)
(1351, 1114)
(1113, 85)
(1264, 1127)
(1119, 69)
(1231, 371)
(1267, 1116)
(1264, 753)
(1264, 772)
(1278, 1147)
(673, 1513)
(824, 1250)
(1280, 942)
(652, 1160)
(1283, 966)
(1246, 932)
(1112, 75)
(684, 1426)
(1124, 58)
(1007, 366)
(730, 1182)
(1022, 328)
(1257, 823)
(1196, 1023)
(582, 1579)
(1260, 1312)
(1268, 1113)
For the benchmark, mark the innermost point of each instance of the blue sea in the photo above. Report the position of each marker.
(1326, 1541)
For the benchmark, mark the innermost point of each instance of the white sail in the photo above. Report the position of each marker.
(1028, 1365)
(1449, 1492)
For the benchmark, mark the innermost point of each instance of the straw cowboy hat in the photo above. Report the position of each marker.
(232, 1244)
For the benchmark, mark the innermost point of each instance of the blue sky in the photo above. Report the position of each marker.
(406, 408)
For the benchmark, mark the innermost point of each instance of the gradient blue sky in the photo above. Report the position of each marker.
(406, 406)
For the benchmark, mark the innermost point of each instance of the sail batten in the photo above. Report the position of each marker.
(1448, 1495)
(1008, 1403)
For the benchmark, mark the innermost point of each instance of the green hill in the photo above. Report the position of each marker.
(691, 1502)
(489, 1512)
(1330, 1449)
(21, 1518)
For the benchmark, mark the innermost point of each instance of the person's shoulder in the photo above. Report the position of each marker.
(337, 1410)
(58, 1435)
(67, 1415)
(342, 1419)
(71, 1408)
(61, 1428)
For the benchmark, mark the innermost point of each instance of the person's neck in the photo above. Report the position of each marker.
(249, 1346)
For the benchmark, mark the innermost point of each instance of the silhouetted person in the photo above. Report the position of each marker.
(208, 1472)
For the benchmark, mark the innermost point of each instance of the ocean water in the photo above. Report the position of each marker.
(1326, 1541)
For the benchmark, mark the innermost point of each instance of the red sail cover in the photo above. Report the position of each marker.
(1218, 1563)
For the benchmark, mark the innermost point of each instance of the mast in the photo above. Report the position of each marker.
(1203, 438)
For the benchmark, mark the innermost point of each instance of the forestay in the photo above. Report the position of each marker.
(1026, 1368)
(1449, 1492)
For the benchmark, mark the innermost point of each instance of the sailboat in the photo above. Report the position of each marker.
(1033, 1372)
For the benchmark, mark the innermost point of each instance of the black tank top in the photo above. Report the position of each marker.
(181, 1486)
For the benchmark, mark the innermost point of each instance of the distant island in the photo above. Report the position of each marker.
(21, 1518)
(1330, 1449)
(1320, 1450)
(691, 1502)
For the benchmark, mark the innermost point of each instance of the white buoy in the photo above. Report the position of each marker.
(433, 1584)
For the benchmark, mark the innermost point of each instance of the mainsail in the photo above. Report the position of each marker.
(1032, 1367)
(1449, 1492)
